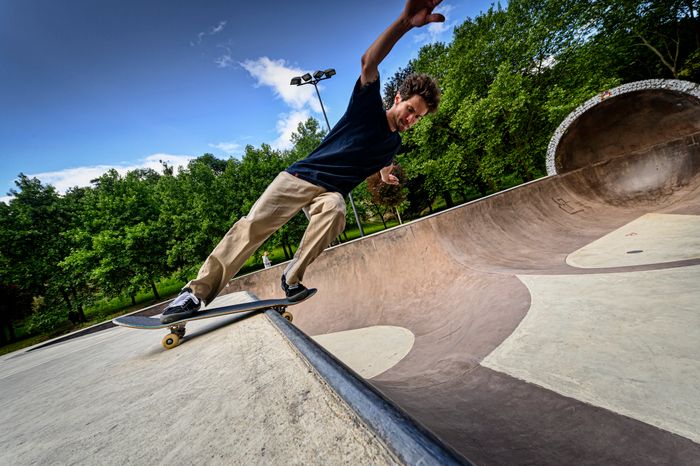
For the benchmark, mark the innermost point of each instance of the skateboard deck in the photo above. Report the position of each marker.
(177, 328)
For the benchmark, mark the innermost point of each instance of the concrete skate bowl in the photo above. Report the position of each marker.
(556, 322)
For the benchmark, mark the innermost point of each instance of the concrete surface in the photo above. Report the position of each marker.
(369, 351)
(651, 238)
(538, 338)
(638, 358)
(229, 394)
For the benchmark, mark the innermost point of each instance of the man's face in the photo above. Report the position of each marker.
(406, 113)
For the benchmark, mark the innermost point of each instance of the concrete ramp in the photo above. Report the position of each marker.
(240, 389)
(554, 323)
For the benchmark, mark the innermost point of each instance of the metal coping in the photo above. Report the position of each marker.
(410, 442)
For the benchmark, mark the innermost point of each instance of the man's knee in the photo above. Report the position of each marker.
(335, 206)
(333, 209)
(331, 205)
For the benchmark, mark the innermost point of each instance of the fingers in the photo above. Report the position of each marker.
(435, 18)
(421, 12)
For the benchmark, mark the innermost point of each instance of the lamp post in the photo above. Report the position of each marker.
(309, 79)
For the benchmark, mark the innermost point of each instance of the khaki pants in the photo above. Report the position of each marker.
(285, 196)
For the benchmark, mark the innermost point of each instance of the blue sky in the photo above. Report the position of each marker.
(90, 85)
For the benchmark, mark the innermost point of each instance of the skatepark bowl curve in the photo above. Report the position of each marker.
(554, 323)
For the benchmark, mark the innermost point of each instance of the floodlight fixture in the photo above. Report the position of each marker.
(306, 77)
(329, 72)
(318, 74)
(296, 81)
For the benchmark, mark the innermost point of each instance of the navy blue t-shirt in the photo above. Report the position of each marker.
(358, 146)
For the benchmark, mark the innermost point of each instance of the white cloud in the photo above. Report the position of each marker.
(229, 147)
(286, 125)
(214, 30)
(217, 29)
(302, 100)
(62, 180)
(435, 32)
(277, 75)
(224, 61)
(68, 178)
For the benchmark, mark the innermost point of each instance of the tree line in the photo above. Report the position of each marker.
(509, 76)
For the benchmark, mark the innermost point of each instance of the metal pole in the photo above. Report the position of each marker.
(323, 109)
(352, 201)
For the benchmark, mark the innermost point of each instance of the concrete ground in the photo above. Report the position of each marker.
(234, 392)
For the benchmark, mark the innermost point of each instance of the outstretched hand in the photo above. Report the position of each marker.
(420, 12)
(416, 13)
(388, 177)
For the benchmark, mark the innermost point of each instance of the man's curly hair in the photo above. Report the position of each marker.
(424, 86)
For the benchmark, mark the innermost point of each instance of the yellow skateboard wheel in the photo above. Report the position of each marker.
(171, 340)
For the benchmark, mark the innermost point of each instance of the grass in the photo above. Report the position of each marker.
(24, 343)
(102, 310)
(109, 307)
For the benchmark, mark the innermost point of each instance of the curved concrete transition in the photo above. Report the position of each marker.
(557, 322)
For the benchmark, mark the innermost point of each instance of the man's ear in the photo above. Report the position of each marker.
(397, 99)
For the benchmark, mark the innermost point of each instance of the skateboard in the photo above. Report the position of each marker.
(177, 328)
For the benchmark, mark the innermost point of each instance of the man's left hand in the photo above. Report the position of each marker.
(390, 179)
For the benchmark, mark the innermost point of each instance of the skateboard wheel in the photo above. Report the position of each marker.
(288, 316)
(171, 340)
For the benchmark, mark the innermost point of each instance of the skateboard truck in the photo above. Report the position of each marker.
(282, 310)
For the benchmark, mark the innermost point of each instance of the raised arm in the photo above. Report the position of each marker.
(416, 13)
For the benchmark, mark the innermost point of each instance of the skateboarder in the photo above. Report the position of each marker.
(363, 142)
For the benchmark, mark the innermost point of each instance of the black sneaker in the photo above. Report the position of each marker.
(295, 292)
(185, 305)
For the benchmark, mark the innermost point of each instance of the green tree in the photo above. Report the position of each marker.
(196, 208)
(127, 237)
(15, 303)
(73, 281)
(305, 139)
(508, 78)
(649, 39)
(31, 241)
